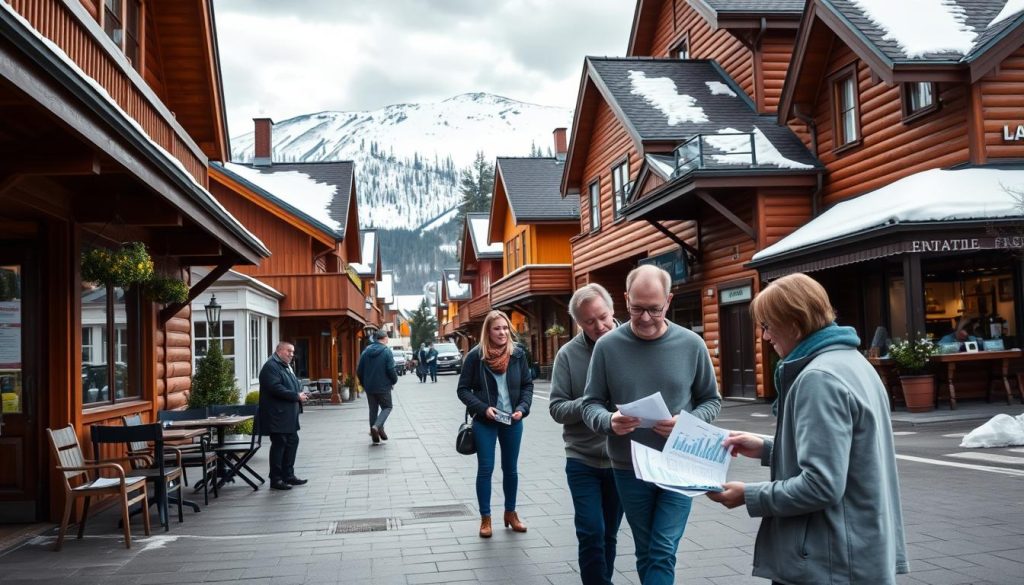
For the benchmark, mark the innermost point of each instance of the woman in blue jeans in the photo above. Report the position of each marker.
(497, 389)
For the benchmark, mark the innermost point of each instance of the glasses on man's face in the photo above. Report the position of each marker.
(654, 312)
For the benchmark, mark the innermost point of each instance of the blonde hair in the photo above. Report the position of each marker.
(485, 336)
(795, 300)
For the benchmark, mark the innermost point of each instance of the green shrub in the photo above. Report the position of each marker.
(214, 380)
(246, 427)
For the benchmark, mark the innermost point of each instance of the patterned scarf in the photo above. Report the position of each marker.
(497, 359)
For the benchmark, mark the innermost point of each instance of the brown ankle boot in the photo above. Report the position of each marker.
(512, 519)
(485, 527)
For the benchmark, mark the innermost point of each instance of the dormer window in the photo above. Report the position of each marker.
(681, 50)
(620, 186)
(121, 22)
(919, 98)
(845, 108)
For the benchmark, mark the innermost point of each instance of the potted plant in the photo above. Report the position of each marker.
(129, 265)
(911, 358)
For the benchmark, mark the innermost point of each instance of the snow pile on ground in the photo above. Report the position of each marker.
(1002, 430)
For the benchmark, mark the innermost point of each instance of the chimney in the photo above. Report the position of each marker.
(264, 146)
(560, 146)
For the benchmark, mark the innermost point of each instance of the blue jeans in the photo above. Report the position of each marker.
(598, 515)
(657, 518)
(487, 435)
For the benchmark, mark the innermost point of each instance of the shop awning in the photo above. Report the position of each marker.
(934, 211)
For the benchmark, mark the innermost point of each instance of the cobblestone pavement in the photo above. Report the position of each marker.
(405, 513)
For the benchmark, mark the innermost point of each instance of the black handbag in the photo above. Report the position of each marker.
(465, 442)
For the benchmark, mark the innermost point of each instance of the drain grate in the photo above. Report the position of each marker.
(441, 511)
(366, 472)
(363, 525)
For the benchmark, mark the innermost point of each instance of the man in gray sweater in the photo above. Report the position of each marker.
(587, 467)
(649, 355)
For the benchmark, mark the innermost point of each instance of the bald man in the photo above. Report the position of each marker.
(650, 354)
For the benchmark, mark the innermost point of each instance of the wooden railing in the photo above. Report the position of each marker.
(479, 307)
(532, 280)
(72, 29)
(318, 294)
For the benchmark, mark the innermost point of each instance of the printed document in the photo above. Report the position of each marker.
(692, 462)
(649, 409)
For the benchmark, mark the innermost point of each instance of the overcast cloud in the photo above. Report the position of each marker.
(285, 58)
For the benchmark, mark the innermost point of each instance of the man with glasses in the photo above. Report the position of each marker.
(649, 355)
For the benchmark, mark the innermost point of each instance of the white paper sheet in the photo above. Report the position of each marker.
(649, 409)
(692, 462)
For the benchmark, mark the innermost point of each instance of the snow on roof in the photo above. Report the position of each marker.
(456, 289)
(661, 93)
(1011, 8)
(734, 143)
(719, 88)
(481, 227)
(102, 91)
(928, 196)
(294, 188)
(368, 254)
(232, 276)
(920, 27)
(386, 287)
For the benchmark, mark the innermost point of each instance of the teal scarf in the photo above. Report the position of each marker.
(830, 334)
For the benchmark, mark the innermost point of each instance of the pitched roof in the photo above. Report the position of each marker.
(386, 286)
(370, 247)
(532, 188)
(455, 290)
(755, 5)
(478, 225)
(320, 190)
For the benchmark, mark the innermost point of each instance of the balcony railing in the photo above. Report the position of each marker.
(715, 151)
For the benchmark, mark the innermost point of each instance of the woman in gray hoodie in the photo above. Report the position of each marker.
(831, 512)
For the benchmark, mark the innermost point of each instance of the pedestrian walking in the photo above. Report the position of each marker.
(497, 389)
(649, 355)
(281, 401)
(376, 372)
(421, 363)
(598, 511)
(831, 512)
(432, 361)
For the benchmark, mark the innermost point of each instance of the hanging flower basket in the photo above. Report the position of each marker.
(166, 289)
(555, 330)
(129, 265)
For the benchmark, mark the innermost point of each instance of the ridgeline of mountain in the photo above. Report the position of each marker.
(409, 160)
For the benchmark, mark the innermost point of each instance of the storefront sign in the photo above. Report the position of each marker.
(740, 294)
(672, 262)
(964, 244)
(1013, 135)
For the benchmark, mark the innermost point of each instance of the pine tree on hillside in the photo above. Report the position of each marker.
(476, 186)
(422, 325)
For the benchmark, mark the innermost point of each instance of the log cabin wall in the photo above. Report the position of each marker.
(1002, 101)
(772, 62)
(890, 149)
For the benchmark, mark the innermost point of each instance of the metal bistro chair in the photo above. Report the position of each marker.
(165, 478)
(199, 455)
(75, 469)
(237, 454)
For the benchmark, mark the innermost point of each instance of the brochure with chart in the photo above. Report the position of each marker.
(692, 462)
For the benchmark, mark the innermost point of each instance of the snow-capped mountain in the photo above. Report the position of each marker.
(409, 157)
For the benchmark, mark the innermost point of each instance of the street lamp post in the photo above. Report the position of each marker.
(213, 318)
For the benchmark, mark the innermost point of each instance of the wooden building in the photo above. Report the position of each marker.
(454, 297)
(306, 213)
(922, 142)
(96, 151)
(677, 159)
(370, 272)
(480, 264)
(534, 224)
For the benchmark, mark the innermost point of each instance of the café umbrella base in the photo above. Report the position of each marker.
(919, 392)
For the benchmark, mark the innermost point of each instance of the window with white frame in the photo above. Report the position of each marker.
(847, 118)
(595, 206)
(255, 357)
(203, 336)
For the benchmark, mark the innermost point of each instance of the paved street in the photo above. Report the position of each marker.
(405, 513)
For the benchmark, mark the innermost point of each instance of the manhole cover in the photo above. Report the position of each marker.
(366, 471)
(441, 511)
(362, 525)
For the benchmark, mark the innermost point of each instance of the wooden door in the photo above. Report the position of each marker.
(737, 350)
(23, 459)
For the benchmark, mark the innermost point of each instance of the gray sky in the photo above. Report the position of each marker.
(282, 58)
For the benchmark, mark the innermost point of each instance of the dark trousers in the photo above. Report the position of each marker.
(598, 515)
(488, 436)
(433, 371)
(283, 447)
(380, 407)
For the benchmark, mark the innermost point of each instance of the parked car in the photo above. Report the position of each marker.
(449, 357)
(399, 361)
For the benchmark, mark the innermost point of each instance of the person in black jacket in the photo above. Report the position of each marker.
(281, 401)
(376, 372)
(497, 389)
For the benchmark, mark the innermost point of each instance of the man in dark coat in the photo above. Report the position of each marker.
(432, 361)
(281, 401)
(376, 372)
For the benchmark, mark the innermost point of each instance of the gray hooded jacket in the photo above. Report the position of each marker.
(831, 514)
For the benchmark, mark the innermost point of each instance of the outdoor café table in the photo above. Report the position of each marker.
(221, 424)
(886, 369)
